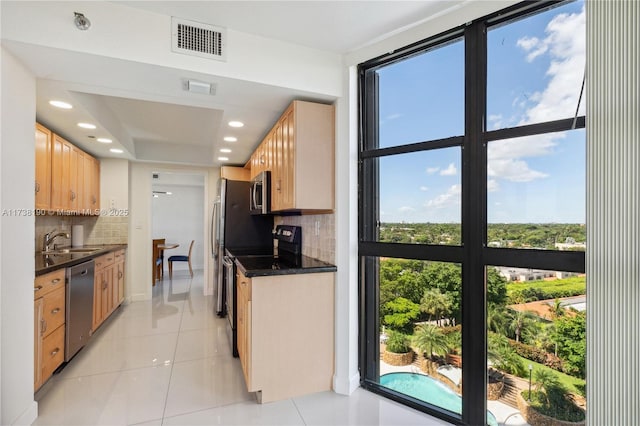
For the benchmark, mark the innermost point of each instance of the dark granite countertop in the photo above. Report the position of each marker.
(46, 263)
(262, 266)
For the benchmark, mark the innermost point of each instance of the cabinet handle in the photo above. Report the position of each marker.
(279, 185)
(262, 159)
(43, 325)
(120, 274)
(55, 351)
(37, 288)
(104, 285)
(73, 195)
(37, 187)
(55, 311)
(55, 281)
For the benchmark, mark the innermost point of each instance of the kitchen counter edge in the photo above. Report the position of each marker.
(68, 260)
(250, 273)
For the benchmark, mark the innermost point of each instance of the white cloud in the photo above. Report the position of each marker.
(493, 185)
(449, 198)
(534, 46)
(406, 209)
(449, 171)
(513, 170)
(424, 188)
(565, 45)
(432, 170)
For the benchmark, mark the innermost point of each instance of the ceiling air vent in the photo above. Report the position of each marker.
(197, 39)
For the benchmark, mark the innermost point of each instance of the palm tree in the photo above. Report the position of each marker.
(544, 380)
(557, 310)
(503, 356)
(520, 321)
(430, 339)
(496, 319)
(436, 304)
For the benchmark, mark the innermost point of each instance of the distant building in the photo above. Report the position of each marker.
(526, 274)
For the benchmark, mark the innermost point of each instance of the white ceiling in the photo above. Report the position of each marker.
(144, 108)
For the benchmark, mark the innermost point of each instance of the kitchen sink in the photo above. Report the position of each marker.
(71, 250)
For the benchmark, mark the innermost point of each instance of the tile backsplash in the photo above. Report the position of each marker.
(321, 246)
(98, 230)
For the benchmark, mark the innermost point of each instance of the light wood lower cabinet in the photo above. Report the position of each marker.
(286, 334)
(49, 325)
(108, 285)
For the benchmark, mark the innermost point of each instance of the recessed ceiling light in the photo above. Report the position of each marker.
(116, 151)
(61, 104)
(236, 123)
(87, 125)
(230, 139)
(104, 140)
(169, 193)
(225, 150)
(223, 158)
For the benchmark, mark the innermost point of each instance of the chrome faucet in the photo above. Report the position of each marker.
(48, 238)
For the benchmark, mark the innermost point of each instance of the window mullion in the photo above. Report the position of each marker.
(474, 187)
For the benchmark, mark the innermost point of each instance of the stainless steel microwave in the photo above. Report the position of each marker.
(261, 193)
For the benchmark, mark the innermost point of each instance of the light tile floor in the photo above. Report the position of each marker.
(168, 362)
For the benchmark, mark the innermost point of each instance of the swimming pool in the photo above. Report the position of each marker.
(429, 390)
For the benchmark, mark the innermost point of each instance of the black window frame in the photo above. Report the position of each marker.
(473, 254)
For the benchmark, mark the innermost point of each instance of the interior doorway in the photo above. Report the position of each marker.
(177, 216)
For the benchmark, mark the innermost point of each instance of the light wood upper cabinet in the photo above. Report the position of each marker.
(44, 140)
(299, 153)
(73, 176)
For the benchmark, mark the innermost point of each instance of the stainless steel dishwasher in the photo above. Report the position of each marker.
(79, 307)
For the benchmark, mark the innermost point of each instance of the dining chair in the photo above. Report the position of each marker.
(181, 258)
(157, 260)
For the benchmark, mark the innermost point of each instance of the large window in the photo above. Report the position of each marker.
(472, 210)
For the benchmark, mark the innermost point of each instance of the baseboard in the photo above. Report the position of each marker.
(346, 387)
(29, 416)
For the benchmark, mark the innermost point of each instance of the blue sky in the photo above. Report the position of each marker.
(536, 68)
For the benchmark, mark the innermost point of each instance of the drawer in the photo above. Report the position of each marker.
(52, 352)
(53, 312)
(119, 256)
(47, 283)
(104, 260)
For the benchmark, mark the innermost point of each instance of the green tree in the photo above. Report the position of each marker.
(430, 340)
(496, 287)
(544, 381)
(571, 335)
(557, 310)
(397, 342)
(402, 314)
(446, 277)
(503, 356)
(519, 323)
(497, 319)
(436, 304)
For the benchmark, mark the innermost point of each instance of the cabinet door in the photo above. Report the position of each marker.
(95, 197)
(37, 343)
(87, 183)
(120, 281)
(287, 180)
(60, 165)
(107, 287)
(43, 167)
(97, 298)
(75, 178)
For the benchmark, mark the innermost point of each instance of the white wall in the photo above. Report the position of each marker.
(179, 218)
(114, 183)
(17, 174)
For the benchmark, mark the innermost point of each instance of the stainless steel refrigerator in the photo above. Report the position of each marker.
(235, 227)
